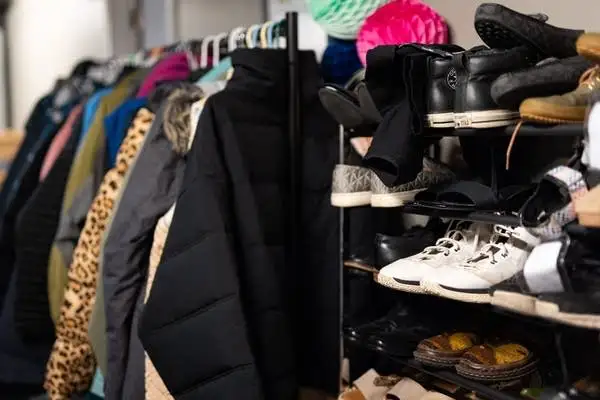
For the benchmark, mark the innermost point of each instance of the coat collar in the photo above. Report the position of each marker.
(266, 70)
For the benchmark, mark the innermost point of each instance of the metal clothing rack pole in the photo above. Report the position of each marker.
(295, 135)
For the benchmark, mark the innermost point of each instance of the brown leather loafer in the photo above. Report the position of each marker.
(496, 362)
(444, 350)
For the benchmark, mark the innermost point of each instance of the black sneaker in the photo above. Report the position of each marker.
(397, 317)
(502, 28)
(476, 69)
(579, 305)
(543, 272)
(549, 77)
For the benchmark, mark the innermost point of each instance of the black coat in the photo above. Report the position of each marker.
(229, 316)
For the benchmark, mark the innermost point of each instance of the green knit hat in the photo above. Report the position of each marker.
(341, 19)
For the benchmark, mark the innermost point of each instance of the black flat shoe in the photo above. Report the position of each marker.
(400, 342)
(502, 28)
(547, 78)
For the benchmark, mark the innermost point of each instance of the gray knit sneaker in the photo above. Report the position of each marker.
(432, 173)
(351, 186)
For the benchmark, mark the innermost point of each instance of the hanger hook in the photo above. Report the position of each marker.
(263, 35)
(270, 35)
(216, 48)
(232, 43)
(249, 36)
(204, 51)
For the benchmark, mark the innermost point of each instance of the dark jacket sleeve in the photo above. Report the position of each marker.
(193, 326)
(151, 189)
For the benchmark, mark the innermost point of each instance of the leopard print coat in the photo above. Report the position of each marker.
(71, 366)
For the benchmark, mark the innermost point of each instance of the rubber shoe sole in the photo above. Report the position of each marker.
(442, 120)
(388, 200)
(503, 28)
(538, 110)
(356, 199)
(485, 119)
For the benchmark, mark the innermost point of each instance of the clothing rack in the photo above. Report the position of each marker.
(295, 132)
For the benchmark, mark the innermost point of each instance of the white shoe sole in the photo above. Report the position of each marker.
(434, 288)
(551, 311)
(442, 120)
(517, 302)
(356, 199)
(485, 119)
(389, 200)
(391, 283)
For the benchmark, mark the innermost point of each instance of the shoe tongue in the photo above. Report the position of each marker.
(483, 255)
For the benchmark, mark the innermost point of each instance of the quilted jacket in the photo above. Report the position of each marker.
(228, 315)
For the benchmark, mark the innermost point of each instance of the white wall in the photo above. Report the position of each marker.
(46, 39)
(312, 36)
(195, 19)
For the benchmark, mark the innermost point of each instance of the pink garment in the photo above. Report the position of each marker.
(173, 67)
(401, 22)
(59, 141)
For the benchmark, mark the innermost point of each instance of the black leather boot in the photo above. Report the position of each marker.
(476, 70)
(440, 90)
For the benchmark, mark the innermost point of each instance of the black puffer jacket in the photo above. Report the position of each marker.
(229, 317)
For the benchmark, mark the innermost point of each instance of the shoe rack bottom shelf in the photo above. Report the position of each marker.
(482, 390)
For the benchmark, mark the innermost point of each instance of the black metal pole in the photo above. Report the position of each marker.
(295, 142)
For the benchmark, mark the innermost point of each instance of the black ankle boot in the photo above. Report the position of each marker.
(476, 69)
(440, 92)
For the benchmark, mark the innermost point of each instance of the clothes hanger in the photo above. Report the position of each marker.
(255, 36)
(191, 58)
(216, 48)
(234, 36)
(204, 51)
(278, 35)
(264, 44)
(270, 41)
(249, 39)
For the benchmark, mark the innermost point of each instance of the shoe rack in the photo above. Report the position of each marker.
(555, 330)
(493, 136)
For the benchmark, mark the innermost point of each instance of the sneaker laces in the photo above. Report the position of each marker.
(450, 242)
(496, 246)
(513, 137)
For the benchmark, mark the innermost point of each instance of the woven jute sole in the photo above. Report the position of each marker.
(552, 311)
(434, 288)
(393, 284)
(517, 302)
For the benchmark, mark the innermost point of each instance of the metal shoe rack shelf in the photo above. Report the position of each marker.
(493, 135)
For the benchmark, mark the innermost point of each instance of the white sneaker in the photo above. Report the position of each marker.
(470, 281)
(457, 245)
